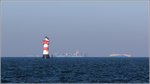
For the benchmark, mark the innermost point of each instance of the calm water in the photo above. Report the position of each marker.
(75, 70)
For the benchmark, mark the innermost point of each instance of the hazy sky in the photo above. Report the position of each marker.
(97, 28)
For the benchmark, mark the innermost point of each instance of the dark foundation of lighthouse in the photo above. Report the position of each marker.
(46, 56)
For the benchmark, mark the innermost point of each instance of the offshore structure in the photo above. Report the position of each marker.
(46, 47)
(120, 55)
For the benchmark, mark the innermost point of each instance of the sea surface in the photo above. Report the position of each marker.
(74, 70)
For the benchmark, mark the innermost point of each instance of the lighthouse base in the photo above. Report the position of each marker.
(45, 56)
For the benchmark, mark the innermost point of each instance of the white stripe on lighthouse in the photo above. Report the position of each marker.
(45, 45)
(45, 52)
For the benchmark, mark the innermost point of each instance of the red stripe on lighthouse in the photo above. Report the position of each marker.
(45, 48)
(45, 42)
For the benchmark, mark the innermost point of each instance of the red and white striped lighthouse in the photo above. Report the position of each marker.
(46, 47)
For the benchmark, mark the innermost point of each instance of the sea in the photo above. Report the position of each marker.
(75, 70)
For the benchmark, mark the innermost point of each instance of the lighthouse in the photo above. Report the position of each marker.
(46, 47)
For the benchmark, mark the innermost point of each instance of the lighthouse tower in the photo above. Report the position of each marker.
(46, 48)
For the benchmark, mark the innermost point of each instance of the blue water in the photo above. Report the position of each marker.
(74, 70)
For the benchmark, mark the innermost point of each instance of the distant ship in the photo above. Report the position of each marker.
(120, 55)
(77, 53)
(70, 56)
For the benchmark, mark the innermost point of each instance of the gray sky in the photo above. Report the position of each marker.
(98, 28)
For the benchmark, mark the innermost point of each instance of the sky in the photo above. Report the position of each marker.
(97, 28)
